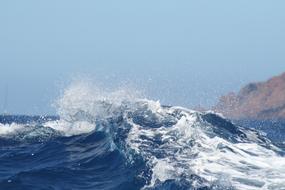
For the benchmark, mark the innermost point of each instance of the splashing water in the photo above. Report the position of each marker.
(117, 140)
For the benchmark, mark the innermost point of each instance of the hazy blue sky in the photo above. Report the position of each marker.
(181, 52)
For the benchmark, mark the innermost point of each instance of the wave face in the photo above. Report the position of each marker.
(114, 140)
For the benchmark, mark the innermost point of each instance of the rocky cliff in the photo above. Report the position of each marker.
(263, 100)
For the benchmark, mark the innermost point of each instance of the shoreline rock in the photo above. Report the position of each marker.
(261, 100)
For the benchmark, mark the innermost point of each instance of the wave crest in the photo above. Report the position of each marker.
(199, 150)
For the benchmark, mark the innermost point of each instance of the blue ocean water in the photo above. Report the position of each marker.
(124, 143)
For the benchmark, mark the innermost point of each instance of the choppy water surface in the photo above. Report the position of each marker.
(117, 141)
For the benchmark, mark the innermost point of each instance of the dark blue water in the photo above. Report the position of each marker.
(139, 148)
(273, 129)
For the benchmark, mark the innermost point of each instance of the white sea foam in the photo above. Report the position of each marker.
(71, 128)
(78, 107)
(188, 149)
(7, 129)
(82, 103)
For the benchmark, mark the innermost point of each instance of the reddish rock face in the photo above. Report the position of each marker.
(264, 100)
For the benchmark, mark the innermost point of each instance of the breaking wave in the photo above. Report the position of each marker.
(118, 140)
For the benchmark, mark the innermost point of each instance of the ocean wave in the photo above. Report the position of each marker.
(145, 146)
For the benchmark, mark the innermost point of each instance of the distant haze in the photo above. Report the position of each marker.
(183, 53)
